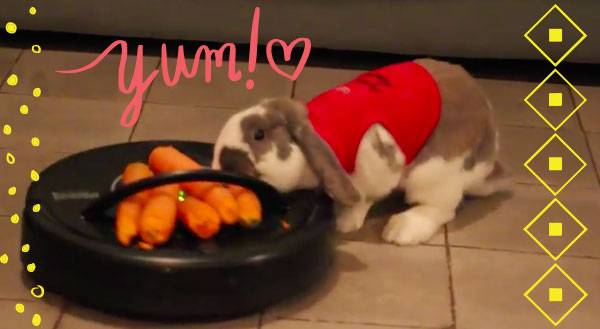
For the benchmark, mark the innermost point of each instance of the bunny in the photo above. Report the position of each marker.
(424, 127)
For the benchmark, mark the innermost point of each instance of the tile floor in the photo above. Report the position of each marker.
(470, 276)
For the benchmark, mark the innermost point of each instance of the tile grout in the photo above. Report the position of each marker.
(14, 64)
(400, 326)
(586, 139)
(62, 310)
(450, 279)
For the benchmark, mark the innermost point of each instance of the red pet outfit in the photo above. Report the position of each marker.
(403, 98)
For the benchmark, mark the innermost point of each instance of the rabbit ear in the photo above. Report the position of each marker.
(319, 156)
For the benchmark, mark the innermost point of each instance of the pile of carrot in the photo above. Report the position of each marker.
(150, 216)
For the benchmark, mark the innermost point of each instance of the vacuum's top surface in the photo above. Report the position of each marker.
(72, 184)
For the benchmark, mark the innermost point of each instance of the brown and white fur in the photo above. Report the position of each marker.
(274, 141)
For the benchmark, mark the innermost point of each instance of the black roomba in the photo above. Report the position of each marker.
(239, 271)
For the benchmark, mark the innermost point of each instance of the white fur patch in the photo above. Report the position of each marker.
(231, 135)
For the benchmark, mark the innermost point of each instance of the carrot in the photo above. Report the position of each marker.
(224, 202)
(158, 219)
(127, 221)
(200, 218)
(145, 246)
(134, 172)
(169, 159)
(249, 208)
(171, 190)
(236, 189)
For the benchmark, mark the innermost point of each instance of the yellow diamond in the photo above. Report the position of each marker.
(556, 99)
(555, 295)
(555, 228)
(555, 35)
(554, 163)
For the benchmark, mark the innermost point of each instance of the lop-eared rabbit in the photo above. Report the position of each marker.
(423, 126)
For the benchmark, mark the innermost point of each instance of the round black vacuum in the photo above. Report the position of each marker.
(240, 271)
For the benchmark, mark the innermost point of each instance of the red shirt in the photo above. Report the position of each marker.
(403, 98)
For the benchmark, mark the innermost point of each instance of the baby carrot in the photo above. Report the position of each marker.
(127, 221)
(224, 202)
(136, 171)
(145, 246)
(249, 209)
(169, 159)
(200, 218)
(158, 219)
(236, 189)
(171, 190)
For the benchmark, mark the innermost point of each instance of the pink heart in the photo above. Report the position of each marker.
(287, 54)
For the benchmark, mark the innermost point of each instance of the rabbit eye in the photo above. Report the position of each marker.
(259, 135)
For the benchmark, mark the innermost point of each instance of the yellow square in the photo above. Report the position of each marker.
(555, 163)
(554, 99)
(554, 229)
(555, 35)
(555, 294)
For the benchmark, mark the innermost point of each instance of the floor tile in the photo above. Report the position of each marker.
(48, 311)
(315, 80)
(220, 91)
(378, 284)
(489, 287)
(517, 144)
(100, 82)
(497, 222)
(590, 111)
(176, 122)
(507, 98)
(76, 317)
(8, 57)
(594, 140)
(61, 124)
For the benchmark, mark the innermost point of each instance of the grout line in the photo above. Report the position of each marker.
(400, 326)
(594, 165)
(260, 319)
(450, 279)
(537, 253)
(10, 71)
(294, 88)
(62, 310)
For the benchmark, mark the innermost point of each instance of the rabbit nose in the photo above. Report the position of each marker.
(236, 161)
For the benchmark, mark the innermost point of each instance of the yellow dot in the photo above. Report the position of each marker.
(4, 259)
(37, 92)
(7, 129)
(35, 176)
(14, 219)
(25, 248)
(36, 207)
(10, 158)
(36, 49)
(11, 27)
(36, 321)
(35, 141)
(35, 294)
(31, 267)
(20, 308)
(12, 80)
(24, 109)
(12, 190)
(32, 10)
